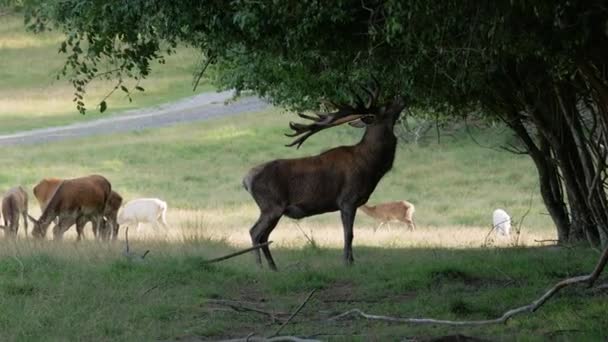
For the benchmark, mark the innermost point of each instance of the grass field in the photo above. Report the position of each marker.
(441, 270)
(66, 291)
(31, 96)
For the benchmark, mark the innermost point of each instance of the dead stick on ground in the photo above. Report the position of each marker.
(310, 240)
(251, 338)
(294, 313)
(532, 307)
(232, 255)
(548, 240)
(128, 252)
(240, 306)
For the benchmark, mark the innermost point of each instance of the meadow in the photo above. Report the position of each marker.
(30, 89)
(64, 291)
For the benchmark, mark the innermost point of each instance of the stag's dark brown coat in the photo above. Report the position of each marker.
(341, 179)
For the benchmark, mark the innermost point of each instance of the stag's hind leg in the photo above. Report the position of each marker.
(259, 234)
(348, 219)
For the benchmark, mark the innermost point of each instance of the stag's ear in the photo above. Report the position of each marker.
(32, 218)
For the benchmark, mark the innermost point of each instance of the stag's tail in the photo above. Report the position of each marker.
(250, 177)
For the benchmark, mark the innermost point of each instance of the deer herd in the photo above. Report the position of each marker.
(78, 201)
(340, 179)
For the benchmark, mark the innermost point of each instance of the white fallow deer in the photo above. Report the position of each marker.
(144, 210)
(501, 221)
(400, 211)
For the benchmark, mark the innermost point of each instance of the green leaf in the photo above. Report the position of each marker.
(103, 106)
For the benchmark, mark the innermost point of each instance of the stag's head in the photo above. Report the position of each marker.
(358, 113)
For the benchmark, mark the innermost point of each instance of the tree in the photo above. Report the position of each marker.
(540, 66)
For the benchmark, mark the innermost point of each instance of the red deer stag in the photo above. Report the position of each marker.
(75, 201)
(341, 178)
(402, 211)
(14, 203)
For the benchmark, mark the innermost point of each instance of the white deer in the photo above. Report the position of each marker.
(144, 210)
(501, 221)
(401, 211)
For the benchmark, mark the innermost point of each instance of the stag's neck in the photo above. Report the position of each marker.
(379, 136)
(377, 150)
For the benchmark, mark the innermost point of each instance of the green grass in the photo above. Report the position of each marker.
(89, 291)
(31, 96)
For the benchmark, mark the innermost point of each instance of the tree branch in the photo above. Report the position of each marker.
(200, 74)
(232, 255)
(532, 307)
(294, 313)
(240, 306)
(251, 338)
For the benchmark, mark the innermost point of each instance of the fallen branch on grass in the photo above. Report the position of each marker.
(131, 255)
(548, 240)
(294, 313)
(237, 253)
(532, 307)
(252, 338)
(240, 307)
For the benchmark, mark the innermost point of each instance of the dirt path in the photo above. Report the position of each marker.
(196, 108)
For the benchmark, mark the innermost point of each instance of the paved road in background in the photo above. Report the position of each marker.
(196, 108)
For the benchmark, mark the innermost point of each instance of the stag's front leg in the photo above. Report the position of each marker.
(348, 219)
(259, 234)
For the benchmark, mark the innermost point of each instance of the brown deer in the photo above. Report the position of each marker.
(111, 217)
(14, 203)
(44, 190)
(75, 201)
(341, 178)
(402, 211)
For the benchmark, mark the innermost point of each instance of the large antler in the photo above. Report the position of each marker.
(345, 113)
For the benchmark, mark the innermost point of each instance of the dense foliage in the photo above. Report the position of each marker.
(541, 66)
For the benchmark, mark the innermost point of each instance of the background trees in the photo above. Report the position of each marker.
(540, 66)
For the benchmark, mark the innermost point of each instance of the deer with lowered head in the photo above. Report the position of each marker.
(401, 211)
(14, 203)
(340, 179)
(74, 201)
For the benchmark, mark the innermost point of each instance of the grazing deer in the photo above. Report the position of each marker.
(341, 178)
(75, 201)
(401, 211)
(144, 210)
(45, 189)
(111, 216)
(14, 203)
